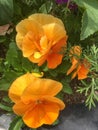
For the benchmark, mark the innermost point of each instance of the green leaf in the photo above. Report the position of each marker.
(67, 89)
(6, 11)
(12, 56)
(90, 17)
(6, 108)
(12, 53)
(66, 86)
(16, 124)
(11, 75)
(2, 39)
(4, 84)
(26, 65)
(6, 81)
(46, 7)
(6, 99)
(53, 72)
(63, 68)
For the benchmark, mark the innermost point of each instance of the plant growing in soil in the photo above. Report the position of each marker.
(48, 57)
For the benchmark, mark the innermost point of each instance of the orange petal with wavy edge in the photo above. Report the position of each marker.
(76, 71)
(40, 88)
(44, 19)
(20, 107)
(54, 32)
(55, 100)
(52, 113)
(26, 26)
(74, 66)
(28, 45)
(59, 46)
(53, 60)
(33, 117)
(83, 71)
(41, 114)
(19, 85)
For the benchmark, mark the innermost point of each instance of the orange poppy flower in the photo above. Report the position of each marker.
(79, 67)
(41, 37)
(34, 100)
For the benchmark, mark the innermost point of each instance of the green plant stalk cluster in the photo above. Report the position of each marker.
(91, 89)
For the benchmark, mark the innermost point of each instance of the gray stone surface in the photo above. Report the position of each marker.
(4, 121)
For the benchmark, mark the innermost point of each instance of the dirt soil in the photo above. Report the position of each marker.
(76, 97)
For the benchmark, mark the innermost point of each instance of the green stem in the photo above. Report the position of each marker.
(68, 3)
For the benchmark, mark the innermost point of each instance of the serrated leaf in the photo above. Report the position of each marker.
(12, 53)
(90, 17)
(6, 11)
(12, 56)
(16, 124)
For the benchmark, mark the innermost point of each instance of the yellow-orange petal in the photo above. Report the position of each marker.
(75, 51)
(20, 108)
(54, 32)
(44, 19)
(41, 88)
(28, 46)
(41, 114)
(26, 26)
(33, 117)
(52, 113)
(19, 85)
(19, 40)
(55, 100)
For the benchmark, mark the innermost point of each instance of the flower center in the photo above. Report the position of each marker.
(38, 102)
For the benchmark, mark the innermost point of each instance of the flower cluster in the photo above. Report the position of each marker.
(41, 38)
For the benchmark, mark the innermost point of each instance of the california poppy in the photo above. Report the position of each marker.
(35, 100)
(41, 38)
(79, 67)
